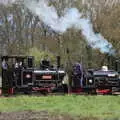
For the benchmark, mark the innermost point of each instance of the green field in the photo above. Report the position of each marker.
(85, 106)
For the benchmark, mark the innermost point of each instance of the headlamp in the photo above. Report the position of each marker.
(90, 81)
(28, 76)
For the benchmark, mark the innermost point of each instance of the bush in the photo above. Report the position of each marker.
(39, 55)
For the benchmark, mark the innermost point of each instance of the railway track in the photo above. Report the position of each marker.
(59, 94)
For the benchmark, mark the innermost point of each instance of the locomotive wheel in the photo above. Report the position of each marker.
(28, 90)
(93, 92)
(45, 92)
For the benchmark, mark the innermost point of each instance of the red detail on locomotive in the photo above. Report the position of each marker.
(47, 77)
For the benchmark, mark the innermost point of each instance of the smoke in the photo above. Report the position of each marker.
(95, 40)
(71, 18)
(50, 17)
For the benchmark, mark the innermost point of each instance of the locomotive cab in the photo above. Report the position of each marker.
(12, 72)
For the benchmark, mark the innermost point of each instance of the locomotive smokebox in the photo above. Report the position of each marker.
(58, 61)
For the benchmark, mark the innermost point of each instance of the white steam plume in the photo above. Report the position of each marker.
(72, 18)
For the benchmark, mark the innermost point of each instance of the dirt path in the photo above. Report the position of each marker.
(34, 115)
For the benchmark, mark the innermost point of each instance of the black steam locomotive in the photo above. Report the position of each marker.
(102, 81)
(20, 75)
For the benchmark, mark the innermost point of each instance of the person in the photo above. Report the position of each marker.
(77, 75)
(21, 65)
(16, 65)
(17, 72)
(6, 76)
(4, 70)
(4, 65)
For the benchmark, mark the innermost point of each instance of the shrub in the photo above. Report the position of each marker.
(39, 55)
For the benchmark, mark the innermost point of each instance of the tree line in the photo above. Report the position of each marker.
(21, 31)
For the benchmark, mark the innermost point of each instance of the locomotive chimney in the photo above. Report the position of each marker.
(112, 62)
(116, 65)
(109, 61)
(30, 61)
(58, 62)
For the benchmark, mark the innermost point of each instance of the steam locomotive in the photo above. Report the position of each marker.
(20, 75)
(101, 81)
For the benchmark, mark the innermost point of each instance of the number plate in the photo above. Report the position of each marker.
(46, 77)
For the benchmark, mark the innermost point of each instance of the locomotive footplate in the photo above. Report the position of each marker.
(103, 91)
(41, 89)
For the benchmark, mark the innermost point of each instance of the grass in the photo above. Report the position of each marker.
(85, 106)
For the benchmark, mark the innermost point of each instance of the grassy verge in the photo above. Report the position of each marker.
(85, 106)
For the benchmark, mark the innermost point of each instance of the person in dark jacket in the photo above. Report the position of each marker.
(7, 76)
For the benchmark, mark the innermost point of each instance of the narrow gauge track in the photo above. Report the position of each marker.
(59, 94)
